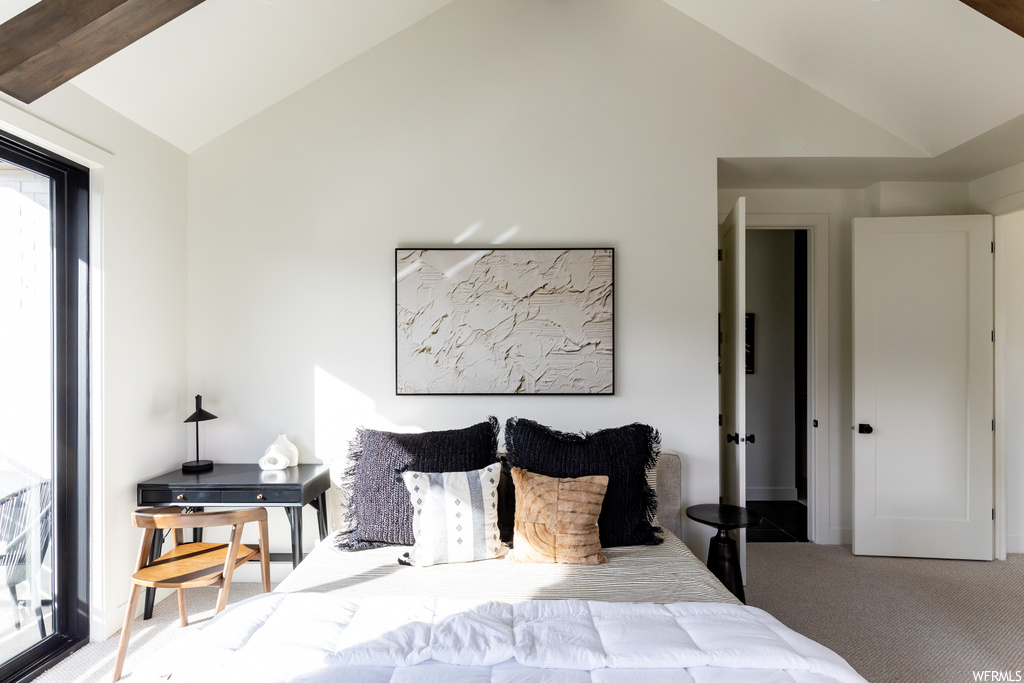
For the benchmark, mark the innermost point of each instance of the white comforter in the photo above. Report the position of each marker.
(303, 637)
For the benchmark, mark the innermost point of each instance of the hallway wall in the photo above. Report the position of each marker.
(771, 393)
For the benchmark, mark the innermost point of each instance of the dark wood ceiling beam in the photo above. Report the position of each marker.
(1009, 13)
(53, 41)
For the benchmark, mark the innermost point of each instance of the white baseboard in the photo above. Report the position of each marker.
(840, 536)
(771, 493)
(1014, 544)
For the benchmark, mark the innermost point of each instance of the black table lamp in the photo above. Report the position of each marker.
(196, 466)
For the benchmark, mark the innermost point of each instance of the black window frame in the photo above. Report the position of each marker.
(69, 194)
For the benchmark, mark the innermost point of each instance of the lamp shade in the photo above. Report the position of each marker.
(200, 415)
(198, 466)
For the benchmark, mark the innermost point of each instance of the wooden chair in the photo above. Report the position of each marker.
(188, 565)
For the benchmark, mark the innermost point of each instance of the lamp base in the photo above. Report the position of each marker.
(196, 466)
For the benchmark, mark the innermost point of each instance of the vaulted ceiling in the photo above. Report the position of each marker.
(936, 73)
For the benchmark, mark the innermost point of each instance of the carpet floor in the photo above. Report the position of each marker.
(896, 619)
(95, 662)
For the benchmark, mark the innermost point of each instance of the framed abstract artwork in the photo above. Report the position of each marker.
(504, 321)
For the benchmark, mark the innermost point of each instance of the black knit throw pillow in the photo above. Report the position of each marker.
(623, 454)
(380, 512)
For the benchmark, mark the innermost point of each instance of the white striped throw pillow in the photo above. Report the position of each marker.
(455, 515)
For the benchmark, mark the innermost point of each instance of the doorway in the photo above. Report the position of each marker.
(822, 485)
(777, 382)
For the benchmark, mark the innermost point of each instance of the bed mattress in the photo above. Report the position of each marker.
(325, 638)
(664, 574)
(652, 613)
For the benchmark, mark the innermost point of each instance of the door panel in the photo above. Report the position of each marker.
(733, 390)
(923, 381)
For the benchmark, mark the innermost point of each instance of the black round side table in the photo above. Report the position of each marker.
(723, 556)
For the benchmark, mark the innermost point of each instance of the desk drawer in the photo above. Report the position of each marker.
(164, 497)
(258, 497)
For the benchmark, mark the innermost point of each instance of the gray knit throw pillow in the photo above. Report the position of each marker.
(381, 511)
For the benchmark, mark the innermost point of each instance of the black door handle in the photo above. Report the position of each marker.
(864, 428)
(732, 438)
(750, 438)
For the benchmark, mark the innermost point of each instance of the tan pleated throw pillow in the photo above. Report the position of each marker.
(556, 519)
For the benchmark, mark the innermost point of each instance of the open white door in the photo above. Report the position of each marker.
(923, 387)
(733, 390)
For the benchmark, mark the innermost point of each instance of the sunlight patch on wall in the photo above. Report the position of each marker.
(338, 410)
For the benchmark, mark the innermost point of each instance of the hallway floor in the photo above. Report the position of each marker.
(785, 521)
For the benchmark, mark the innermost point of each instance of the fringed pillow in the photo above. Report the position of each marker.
(455, 516)
(380, 512)
(556, 519)
(624, 454)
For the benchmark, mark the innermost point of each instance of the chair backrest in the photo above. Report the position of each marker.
(21, 512)
(174, 518)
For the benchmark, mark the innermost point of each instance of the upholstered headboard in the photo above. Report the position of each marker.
(669, 489)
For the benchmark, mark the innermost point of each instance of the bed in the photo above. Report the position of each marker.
(652, 612)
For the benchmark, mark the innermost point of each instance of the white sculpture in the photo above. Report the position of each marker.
(281, 454)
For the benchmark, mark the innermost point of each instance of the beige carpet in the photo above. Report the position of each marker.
(95, 661)
(896, 619)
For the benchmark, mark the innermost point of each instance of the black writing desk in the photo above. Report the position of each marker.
(241, 486)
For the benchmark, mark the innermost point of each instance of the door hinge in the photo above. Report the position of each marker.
(721, 421)
(815, 423)
(993, 335)
(993, 514)
(993, 247)
(719, 254)
(993, 425)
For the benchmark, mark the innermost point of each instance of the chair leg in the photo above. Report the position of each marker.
(126, 630)
(265, 574)
(14, 606)
(264, 556)
(182, 607)
(222, 596)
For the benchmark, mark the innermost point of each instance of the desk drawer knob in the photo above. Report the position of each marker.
(259, 496)
(181, 496)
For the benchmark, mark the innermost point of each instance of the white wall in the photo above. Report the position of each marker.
(1010, 350)
(1002, 193)
(771, 391)
(998, 193)
(137, 335)
(581, 122)
(917, 199)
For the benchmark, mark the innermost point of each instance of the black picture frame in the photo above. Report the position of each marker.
(504, 321)
(748, 341)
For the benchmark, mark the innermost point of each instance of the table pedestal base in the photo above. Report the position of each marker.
(724, 563)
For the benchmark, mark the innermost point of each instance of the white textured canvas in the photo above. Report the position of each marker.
(504, 321)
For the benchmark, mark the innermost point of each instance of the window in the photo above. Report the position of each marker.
(43, 407)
